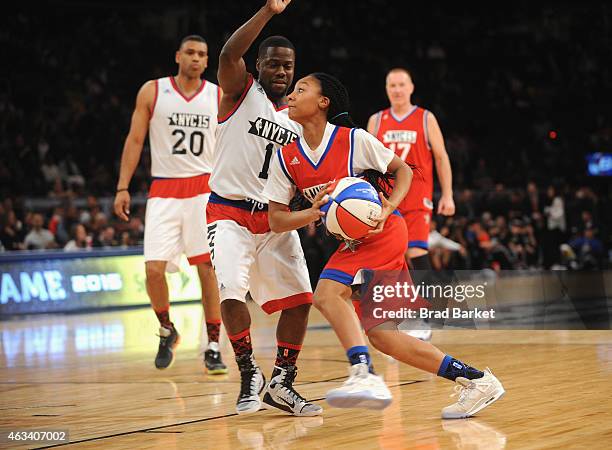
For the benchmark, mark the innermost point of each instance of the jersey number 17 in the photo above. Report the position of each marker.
(401, 149)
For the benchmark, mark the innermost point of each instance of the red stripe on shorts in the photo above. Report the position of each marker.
(199, 259)
(180, 187)
(287, 303)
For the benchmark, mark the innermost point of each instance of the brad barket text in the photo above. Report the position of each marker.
(425, 313)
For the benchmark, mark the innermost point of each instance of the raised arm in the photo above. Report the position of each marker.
(232, 73)
(446, 205)
(133, 147)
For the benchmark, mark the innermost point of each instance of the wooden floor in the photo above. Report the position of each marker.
(93, 374)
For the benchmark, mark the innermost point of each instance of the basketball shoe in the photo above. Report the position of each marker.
(417, 329)
(252, 382)
(212, 360)
(474, 395)
(361, 390)
(281, 395)
(168, 340)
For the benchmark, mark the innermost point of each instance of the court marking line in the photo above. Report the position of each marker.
(189, 422)
(35, 407)
(191, 396)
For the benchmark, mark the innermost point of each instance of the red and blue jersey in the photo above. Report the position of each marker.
(384, 251)
(335, 162)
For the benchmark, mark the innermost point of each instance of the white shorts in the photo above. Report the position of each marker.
(271, 266)
(174, 226)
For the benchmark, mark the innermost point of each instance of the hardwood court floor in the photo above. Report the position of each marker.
(93, 374)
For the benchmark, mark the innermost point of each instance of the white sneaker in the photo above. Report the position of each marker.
(474, 395)
(361, 390)
(252, 382)
(417, 329)
(281, 395)
(423, 335)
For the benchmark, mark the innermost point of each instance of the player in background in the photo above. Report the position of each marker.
(414, 135)
(180, 114)
(247, 256)
(331, 149)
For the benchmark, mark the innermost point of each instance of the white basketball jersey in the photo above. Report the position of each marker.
(182, 130)
(246, 142)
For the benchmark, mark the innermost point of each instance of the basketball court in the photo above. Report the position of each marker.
(93, 375)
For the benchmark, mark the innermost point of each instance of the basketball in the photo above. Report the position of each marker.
(352, 206)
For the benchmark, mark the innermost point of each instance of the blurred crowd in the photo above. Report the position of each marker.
(67, 226)
(505, 228)
(520, 96)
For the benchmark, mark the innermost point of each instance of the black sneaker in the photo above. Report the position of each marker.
(168, 340)
(281, 395)
(252, 382)
(212, 360)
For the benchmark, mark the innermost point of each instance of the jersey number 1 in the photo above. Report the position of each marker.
(266, 165)
(196, 148)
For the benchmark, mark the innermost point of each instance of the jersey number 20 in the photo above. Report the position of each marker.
(196, 143)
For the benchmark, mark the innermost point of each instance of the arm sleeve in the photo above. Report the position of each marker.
(279, 187)
(369, 152)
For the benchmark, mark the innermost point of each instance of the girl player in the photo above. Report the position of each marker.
(330, 149)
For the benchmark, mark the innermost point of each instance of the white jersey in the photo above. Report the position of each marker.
(246, 141)
(182, 130)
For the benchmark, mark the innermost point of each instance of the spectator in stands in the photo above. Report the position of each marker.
(39, 238)
(554, 210)
(80, 241)
(588, 251)
(12, 231)
(441, 248)
(106, 238)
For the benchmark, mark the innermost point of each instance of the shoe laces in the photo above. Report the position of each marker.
(464, 391)
(360, 371)
(248, 380)
(288, 376)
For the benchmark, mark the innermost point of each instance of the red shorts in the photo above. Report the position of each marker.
(417, 222)
(383, 252)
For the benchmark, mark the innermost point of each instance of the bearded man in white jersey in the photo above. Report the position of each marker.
(180, 115)
(247, 255)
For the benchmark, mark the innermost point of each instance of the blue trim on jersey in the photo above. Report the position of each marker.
(425, 131)
(282, 165)
(329, 144)
(418, 244)
(405, 117)
(247, 205)
(351, 151)
(397, 213)
(337, 275)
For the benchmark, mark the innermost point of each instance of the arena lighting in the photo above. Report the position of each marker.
(599, 164)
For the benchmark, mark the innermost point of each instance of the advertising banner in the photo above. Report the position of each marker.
(84, 283)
